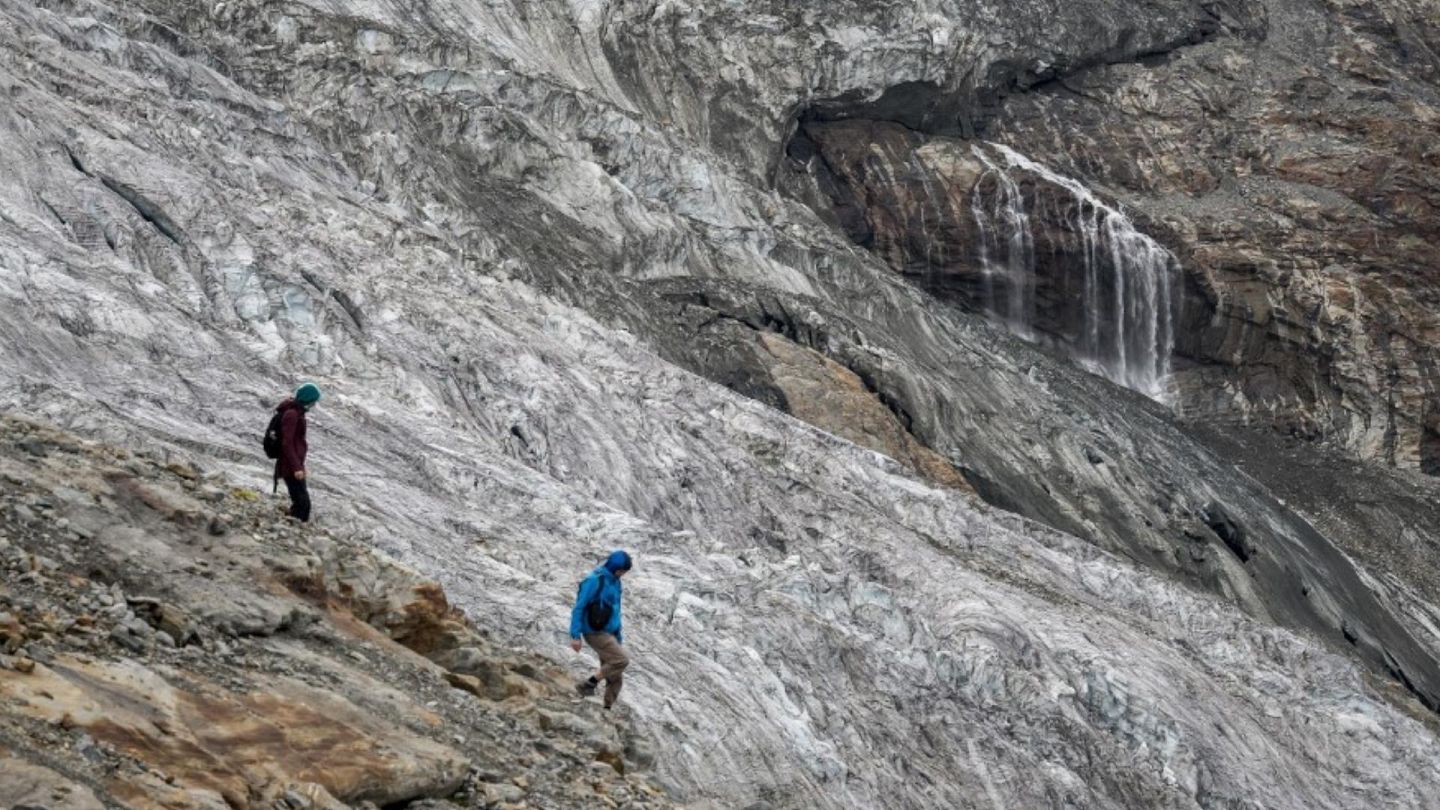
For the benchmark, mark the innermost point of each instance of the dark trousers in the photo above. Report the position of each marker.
(299, 499)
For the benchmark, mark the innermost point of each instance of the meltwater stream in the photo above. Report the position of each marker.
(1130, 287)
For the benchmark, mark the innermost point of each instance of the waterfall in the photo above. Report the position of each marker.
(1004, 228)
(1130, 281)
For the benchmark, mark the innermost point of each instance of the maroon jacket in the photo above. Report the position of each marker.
(292, 440)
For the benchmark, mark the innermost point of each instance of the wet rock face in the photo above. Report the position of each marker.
(1288, 161)
(986, 228)
(1430, 447)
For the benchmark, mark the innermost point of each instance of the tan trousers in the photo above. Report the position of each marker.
(613, 662)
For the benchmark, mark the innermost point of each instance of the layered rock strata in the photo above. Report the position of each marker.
(1289, 160)
(990, 230)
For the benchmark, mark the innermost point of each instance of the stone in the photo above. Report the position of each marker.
(34, 447)
(86, 747)
(139, 628)
(468, 683)
(27, 784)
(122, 636)
(612, 758)
(496, 794)
(217, 741)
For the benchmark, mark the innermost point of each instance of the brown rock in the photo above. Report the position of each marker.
(833, 398)
(468, 683)
(218, 744)
(409, 608)
(183, 470)
(172, 620)
(518, 687)
(613, 759)
(12, 632)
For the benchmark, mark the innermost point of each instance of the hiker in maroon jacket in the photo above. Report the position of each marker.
(290, 465)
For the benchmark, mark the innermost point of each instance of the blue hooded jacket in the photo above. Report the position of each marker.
(603, 586)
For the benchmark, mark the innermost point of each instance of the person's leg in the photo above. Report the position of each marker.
(299, 499)
(613, 662)
(587, 687)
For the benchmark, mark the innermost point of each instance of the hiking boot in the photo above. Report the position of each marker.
(586, 688)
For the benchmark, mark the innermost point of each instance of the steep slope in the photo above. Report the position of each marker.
(168, 640)
(498, 248)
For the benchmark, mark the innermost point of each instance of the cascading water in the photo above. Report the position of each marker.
(1005, 231)
(1127, 329)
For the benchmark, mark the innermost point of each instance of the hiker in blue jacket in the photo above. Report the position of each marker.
(596, 618)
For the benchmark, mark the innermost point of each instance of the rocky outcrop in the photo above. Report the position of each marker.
(235, 751)
(830, 396)
(773, 368)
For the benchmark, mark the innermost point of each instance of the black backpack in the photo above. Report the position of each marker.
(272, 437)
(597, 613)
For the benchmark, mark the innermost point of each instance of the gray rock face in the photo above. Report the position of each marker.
(988, 229)
(1275, 151)
(502, 240)
(1291, 165)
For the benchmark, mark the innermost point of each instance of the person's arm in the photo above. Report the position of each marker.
(289, 449)
(577, 613)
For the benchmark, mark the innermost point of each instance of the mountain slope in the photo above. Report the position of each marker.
(526, 268)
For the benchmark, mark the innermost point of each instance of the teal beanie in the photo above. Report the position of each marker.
(307, 394)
